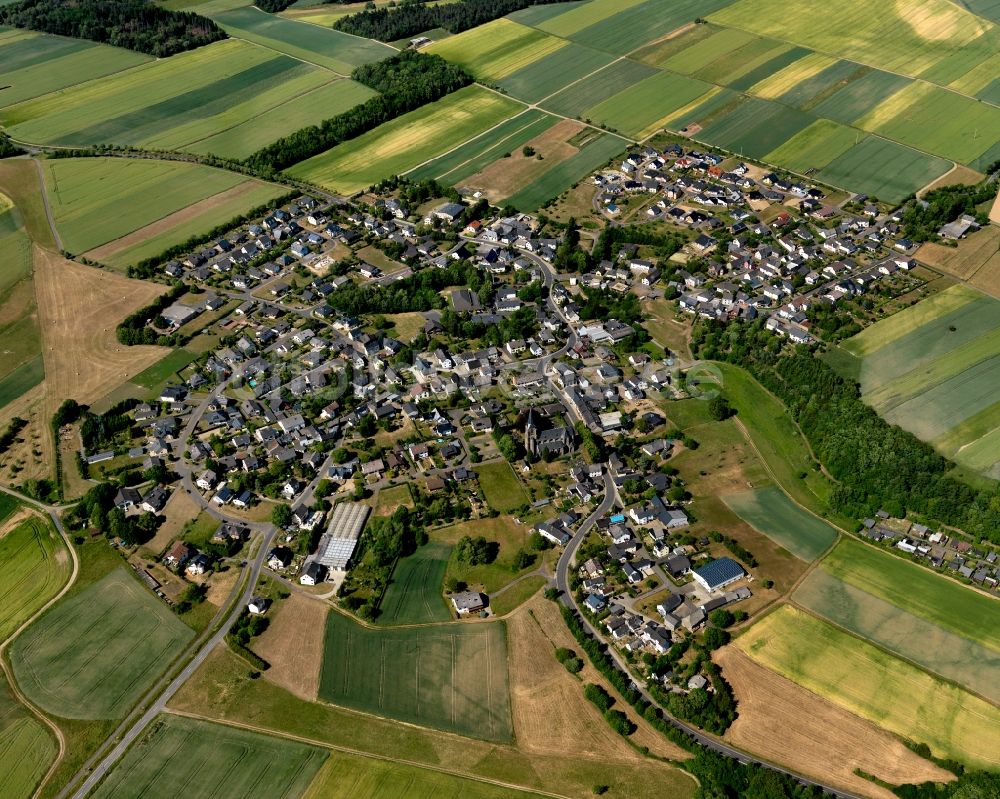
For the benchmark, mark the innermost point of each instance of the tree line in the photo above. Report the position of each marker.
(877, 465)
(418, 292)
(410, 18)
(406, 81)
(133, 24)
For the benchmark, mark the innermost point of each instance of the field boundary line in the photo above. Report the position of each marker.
(363, 754)
(288, 55)
(48, 208)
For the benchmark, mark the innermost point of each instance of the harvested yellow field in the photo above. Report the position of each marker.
(877, 686)
(786, 724)
(773, 86)
(78, 309)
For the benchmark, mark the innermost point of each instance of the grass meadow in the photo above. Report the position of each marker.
(452, 677)
(486, 577)
(876, 685)
(93, 655)
(407, 141)
(415, 594)
(214, 762)
(35, 566)
(933, 597)
(891, 627)
(770, 511)
(501, 488)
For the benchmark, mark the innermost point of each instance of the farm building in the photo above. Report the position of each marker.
(718, 574)
(468, 602)
(342, 533)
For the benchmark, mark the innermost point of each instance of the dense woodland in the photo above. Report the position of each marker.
(877, 465)
(404, 82)
(7, 147)
(133, 24)
(274, 6)
(410, 18)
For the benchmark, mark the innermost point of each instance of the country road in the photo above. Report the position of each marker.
(566, 560)
(137, 729)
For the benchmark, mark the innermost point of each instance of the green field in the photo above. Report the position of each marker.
(93, 655)
(814, 147)
(824, 84)
(35, 567)
(475, 155)
(953, 657)
(21, 380)
(858, 97)
(735, 65)
(576, 99)
(555, 181)
(308, 108)
(919, 591)
(905, 38)
(963, 127)
(501, 488)
(314, 44)
(883, 169)
(414, 595)
(552, 72)
(877, 686)
(932, 368)
(633, 24)
(584, 15)
(497, 49)
(21, 364)
(407, 141)
(755, 127)
(213, 761)
(26, 748)
(451, 677)
(36, 64)
(912, 319)
(210, 213)
(98, 200)
(173, 103)
(352, 777)
(696, 49)
(164, 370)
(771, 512)
(644, 107)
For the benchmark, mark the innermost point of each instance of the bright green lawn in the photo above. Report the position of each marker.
(501, 487)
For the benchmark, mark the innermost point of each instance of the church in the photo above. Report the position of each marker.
(542, 438)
